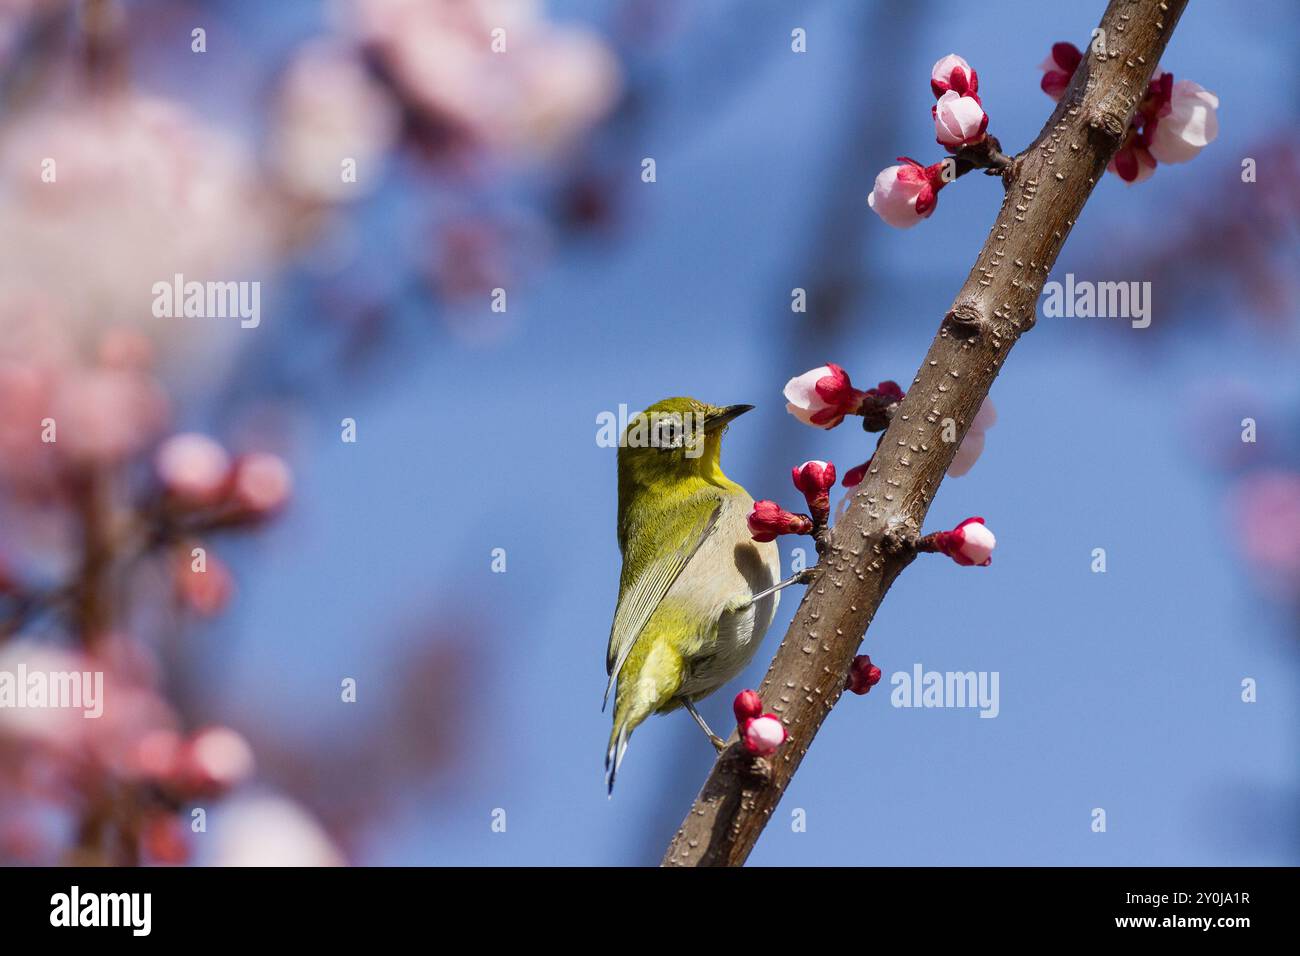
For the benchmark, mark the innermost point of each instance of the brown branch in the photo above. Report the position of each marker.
(1046, 188)
(93, 607)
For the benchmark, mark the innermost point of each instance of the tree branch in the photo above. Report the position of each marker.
(1046, 188)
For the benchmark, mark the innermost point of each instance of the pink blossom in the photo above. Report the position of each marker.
(1133, 163)
(822, 396)
(205, 592)
(164, 840)
(953, 73)
(262, 482)
(216, 759)
(103, 415)
(973, 444)
(144, 189)
(268, 830)
(193, 467)
(329, 109)
(550, 84)
(763, 735)
(904, 195)
(970, 543)
(958, 120)
(157, 754)
(1266, 512)
(1058, 69)
(1185, 124)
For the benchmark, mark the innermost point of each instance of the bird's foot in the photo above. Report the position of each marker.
(714, 739)
(806, 576)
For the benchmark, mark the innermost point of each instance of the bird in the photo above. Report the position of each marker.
(696, 592)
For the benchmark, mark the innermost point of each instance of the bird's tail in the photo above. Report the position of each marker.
(644, 686)
(614, 756)
(629, 712)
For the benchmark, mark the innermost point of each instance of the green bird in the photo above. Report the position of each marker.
(697, 593)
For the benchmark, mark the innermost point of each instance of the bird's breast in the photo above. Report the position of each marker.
(728, 570)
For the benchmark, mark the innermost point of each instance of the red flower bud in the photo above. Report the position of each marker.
(746, 706)
(163, 840)
(768, 520)
(815, 479)
(863, 675)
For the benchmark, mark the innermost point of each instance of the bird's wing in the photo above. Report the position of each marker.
(640, 598)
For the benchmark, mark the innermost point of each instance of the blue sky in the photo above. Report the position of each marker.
(1118, 690)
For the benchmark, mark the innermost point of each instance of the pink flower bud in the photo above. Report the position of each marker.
(215, 760)
(863, 675)
(970, 543)
(1058, 69)
(1184, 124)
(746, 706)
(815, 479)
(156, 754)
(973, 444)
(1133, 163)
(953, 73)
(193, 467)
(958, 120)
(906, 194)
(262, 482)
(163, 839)
(763, 735)
(205, 592)
(822, 396)
(768, 520)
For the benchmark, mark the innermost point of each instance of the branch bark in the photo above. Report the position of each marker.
(1046, 188)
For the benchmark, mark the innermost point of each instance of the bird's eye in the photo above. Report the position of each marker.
(668, 434)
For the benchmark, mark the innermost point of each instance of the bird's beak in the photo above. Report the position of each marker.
(724, 415)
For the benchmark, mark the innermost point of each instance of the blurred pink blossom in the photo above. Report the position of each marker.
(205, 592)
(973, 444)
(262, 482)
(193, 467)
(109, 195)
(328, 110)
(267, 830)
(216, 759)
(1266, 511)
(548, 85)
(104, 415)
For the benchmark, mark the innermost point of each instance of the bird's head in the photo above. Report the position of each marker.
(674, 440)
